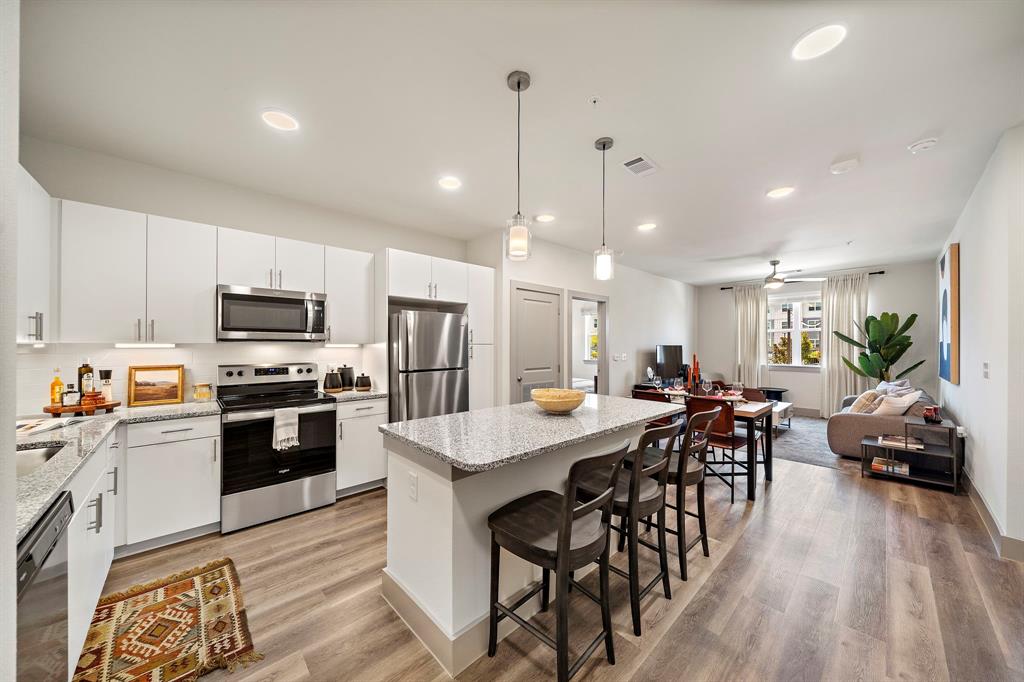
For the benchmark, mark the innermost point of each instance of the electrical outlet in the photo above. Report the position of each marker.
(414, 486)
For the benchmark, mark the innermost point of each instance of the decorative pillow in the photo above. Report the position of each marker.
(864, 401)
(897, 388)
(892, 405)
(879, 399)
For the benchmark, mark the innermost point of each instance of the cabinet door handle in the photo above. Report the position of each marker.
(471, 352)
(428, 290)
(37, 326)
(471, 335)
(360, 409)
(138, 329)
(214, 449)
(328, 333)
(97, 504)
(279, 280)
(177, 430)
(152, 330)
(113, 491)
(271, 278)
(341, 430)
(435, 290)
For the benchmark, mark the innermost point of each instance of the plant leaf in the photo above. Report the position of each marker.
(910, 369)
(855, 369)
(907, 324)
(850, 341)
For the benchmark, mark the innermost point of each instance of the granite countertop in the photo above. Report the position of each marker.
(347, 396)
(481, 440)
(37, 491)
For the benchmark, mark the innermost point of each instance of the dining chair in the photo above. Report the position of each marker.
(722, 437)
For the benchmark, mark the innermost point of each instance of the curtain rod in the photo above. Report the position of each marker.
(731, 286)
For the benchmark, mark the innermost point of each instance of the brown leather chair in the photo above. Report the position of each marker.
(723, 436)
(656, 396)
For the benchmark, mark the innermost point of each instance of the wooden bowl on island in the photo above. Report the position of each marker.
(557, 400)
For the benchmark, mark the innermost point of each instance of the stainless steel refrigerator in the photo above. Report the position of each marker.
(429, 364)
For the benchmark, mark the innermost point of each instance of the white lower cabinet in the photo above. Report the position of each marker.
(90, 551)
(481, 376)
(361, 455)
(171, 487)
(119, 482)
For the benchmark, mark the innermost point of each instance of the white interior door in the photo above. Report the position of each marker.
(480, 297)
(348, 283)
(34, 267)
(450, 280)
(536, 341)
(300, 265)
(409, 274)
(103, 274)
(195, 499)
(245, 258)
(481, 376)
(181, 276)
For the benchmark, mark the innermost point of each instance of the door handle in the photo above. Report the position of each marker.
(113, 491)
(471, 352)
(360, 409)
(176, 430)
(328, 333)
(435, 290)
(97, 504)
(271, 278)
(214, 449)
(428, 290)
(152, 330)
(37, 324)
(341, 430)
(471, 335)
(279, 280)
(138, 329)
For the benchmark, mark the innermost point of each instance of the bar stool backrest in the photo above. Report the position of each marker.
(609, 462)
(725, 421)
(695, 439)
(650, 437)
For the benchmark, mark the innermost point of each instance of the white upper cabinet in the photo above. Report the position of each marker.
(103, 274)
(481, 304)
(449, 278)
(409, 274)
(181, 276)
(34, 262)
(481, 376)
(245, 258)
(349, 289)
(300, 265)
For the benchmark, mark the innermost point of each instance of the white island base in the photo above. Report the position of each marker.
(438, 566)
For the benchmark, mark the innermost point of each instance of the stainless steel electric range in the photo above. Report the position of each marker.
(259, 483)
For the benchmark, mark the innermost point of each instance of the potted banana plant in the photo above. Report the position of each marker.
(885, 342)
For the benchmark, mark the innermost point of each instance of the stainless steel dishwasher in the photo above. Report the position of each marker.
(43, 596)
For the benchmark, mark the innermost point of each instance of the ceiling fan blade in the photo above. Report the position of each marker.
(805, 279)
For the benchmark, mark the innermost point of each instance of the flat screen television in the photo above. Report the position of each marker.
(669, 361)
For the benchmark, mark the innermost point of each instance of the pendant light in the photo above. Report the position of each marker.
(517, 229)
(604, 258)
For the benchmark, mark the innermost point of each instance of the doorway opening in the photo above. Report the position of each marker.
(587, 334)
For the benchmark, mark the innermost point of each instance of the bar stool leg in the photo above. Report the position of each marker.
(681, 528)
(562, 627)
(545, 592)
(702, 519)
(663, 552)
(492, 636)
(634, 572)
(606, 609)
(622, 533)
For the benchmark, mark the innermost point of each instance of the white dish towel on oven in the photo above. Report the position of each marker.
(286, 428)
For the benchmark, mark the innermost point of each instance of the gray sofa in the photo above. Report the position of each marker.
(846, 429)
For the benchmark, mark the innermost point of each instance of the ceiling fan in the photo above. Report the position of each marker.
(777, 279)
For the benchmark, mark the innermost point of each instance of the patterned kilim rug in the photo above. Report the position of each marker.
(171, 630)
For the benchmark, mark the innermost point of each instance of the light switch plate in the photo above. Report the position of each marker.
(984, 369)
(414, 486)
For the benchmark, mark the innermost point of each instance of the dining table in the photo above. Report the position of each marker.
(748, 413)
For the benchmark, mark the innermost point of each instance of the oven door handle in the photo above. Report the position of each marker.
(269, 414)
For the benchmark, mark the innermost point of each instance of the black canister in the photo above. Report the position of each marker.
(362, 383)
(348, 377)
(332, 382)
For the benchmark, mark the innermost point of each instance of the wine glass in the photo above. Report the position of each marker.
(677, 383)
(706, 385)
(657, 381)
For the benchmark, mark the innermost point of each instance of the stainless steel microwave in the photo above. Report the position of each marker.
(253, 314)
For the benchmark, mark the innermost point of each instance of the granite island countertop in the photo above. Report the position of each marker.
(37, 490)
(486, 439)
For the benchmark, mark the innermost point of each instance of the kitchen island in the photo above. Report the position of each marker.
(447, 474)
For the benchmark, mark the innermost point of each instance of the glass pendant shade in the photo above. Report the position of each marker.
(604, 263)
(517, 238)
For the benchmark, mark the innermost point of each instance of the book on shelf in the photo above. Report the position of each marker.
(890, 466)
(905, 442)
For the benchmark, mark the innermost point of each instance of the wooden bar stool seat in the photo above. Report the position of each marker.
(693, 474)
(559, 532)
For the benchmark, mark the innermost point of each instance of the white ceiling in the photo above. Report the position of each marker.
(393, 95)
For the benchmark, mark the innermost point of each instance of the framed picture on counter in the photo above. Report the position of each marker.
(156, 385)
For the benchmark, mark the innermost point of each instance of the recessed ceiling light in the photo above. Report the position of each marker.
(544, 218)
(646, 227)
(280, 120)
(450, 183)
(844, 165)
(922, 145)
(779, 192)
(822, 40)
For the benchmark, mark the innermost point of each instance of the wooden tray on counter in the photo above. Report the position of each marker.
(81, 410)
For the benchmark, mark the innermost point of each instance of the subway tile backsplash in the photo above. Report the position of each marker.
(35, 365)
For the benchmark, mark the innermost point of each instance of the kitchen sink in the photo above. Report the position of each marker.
(28, 461)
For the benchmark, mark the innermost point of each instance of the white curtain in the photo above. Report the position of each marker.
(844, 300)
(751, 334)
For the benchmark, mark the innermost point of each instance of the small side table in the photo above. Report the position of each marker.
(950, 454)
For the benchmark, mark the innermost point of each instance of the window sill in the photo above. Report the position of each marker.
(815, 369)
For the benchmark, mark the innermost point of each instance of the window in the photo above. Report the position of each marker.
(794, 330)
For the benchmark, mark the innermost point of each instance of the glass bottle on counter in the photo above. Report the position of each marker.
(71, 396)
(56, 388)
(86, 384)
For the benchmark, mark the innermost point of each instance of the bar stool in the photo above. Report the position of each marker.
(687, 468)
(551, 531)
(641, 496)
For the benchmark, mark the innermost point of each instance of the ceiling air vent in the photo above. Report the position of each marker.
(640, 165)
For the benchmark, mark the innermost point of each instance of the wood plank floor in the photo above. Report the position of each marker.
(827, 576)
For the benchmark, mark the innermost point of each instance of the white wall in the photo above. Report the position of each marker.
(990, 233)
(9, 46)
(643, 309)
(84, 175)
(905, 288)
